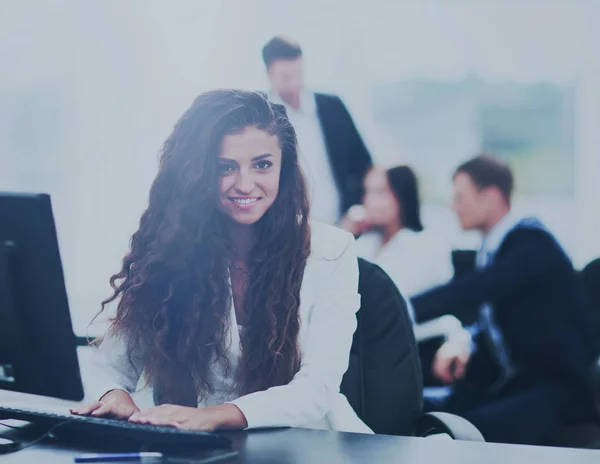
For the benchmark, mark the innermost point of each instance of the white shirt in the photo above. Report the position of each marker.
(415, 261)
(495, 237)
(313, 158)
(329, 301)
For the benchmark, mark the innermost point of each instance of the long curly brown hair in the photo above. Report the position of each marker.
(173, 288)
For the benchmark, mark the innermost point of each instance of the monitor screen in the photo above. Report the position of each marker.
(38, 353)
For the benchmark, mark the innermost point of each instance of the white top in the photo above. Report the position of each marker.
(415, 261)
(313, 158)
(329, 300)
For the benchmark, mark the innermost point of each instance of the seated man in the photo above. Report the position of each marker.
(529, 372)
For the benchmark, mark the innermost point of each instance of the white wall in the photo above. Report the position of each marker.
(588, 143)
(121, 72)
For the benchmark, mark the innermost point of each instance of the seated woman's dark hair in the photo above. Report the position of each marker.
(403, 183)
(173, 288)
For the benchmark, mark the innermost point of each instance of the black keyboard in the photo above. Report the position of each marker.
(151, 437)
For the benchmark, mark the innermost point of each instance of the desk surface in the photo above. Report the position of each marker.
(291, 446)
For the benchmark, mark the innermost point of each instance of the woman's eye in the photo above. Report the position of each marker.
(225, 169)
(264, 165)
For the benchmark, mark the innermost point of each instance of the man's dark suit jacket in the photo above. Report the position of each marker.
(348, 156)
(538, 305)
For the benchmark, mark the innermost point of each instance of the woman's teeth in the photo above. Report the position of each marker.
(244, 201)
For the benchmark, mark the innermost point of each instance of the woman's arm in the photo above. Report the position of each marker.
(112, 379)
(354, 221)
(307, 398)
(113, 367)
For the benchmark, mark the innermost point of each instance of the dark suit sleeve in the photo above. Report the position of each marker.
(362, 154)
(358, 159)
(532, 259)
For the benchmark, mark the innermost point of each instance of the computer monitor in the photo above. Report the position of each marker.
(38, 353)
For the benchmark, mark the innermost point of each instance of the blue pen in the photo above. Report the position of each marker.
(117, 457)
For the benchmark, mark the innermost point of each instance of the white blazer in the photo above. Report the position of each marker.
(329, 301)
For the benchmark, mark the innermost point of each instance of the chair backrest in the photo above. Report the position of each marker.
(590, 278)
(463, 261)
(384, 383)
(590, 275)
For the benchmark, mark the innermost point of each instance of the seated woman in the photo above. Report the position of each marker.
(236, 311)
(392, 236)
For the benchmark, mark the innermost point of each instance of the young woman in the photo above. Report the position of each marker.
(392, 235)
(232, 307)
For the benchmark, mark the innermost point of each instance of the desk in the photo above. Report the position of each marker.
(295, 446)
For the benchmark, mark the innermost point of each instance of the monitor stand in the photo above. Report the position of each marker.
(10, 342)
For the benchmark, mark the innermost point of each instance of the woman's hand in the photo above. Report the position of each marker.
(116, 404)
(355, 221)
(220, 417)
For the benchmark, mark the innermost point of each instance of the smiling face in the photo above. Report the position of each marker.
(250, 166)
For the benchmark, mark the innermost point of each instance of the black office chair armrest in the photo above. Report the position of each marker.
(441, 422)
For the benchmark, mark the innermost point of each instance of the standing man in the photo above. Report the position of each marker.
(332, 153)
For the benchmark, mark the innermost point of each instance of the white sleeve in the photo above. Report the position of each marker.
(446, 268)
(113, 367)
(424, 266)
(307, 398)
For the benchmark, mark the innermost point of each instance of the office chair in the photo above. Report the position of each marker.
(590, 276)
(384, 381)
(463, 261)
(587, 435)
